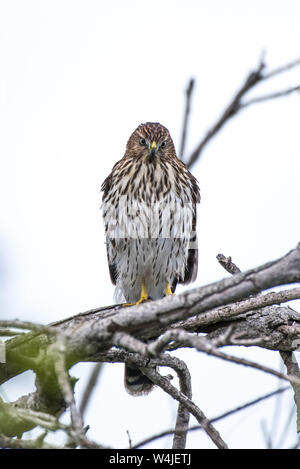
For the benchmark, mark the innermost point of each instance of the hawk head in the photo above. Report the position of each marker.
(150, 141)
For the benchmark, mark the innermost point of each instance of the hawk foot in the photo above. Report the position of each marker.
(168, 290)
(143, 297)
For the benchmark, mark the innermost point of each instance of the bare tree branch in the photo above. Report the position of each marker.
(292, 367)
(229, 312)
(87, 333)
(90, 336)
(190, 405)
(129, 439)
(148, 368)
(201, 344)
(15, 420)
(187, 111)
(183, 414)
(236, 104)
(59, 352)
(204, 345)
(282, 69)
(18, 443)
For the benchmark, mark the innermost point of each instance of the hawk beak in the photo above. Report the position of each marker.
(153, 149)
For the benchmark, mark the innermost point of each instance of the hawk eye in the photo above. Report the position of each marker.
(142, 141)
(163, 144)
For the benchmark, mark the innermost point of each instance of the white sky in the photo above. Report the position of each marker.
(76, 78)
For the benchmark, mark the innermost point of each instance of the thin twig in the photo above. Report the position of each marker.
(282, 69)
(214, 419)
(183, 414)
(274, 424)
(292, 367)
(59, 351)
(289, 420)
(129, 439)
(187, 111)
(92, 381)
(268, 97)
(266, 434)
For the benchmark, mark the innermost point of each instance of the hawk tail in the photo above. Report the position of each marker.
(136, 383)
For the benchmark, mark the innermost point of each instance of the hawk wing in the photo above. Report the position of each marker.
(111, 265)
(191, 268)
(110, 243)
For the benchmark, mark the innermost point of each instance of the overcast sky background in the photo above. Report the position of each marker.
(76, 78)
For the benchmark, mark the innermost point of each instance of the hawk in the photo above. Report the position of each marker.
(149, 209)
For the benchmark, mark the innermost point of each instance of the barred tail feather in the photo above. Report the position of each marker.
(136, 383)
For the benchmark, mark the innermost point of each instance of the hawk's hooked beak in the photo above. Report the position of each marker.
(153, 149)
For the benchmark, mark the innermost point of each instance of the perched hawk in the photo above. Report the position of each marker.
(149, 211)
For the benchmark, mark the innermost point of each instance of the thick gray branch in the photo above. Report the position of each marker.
(89, 336)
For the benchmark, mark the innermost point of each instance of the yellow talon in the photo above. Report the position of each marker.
(143, 297)
(168, 290)
(144, 294)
